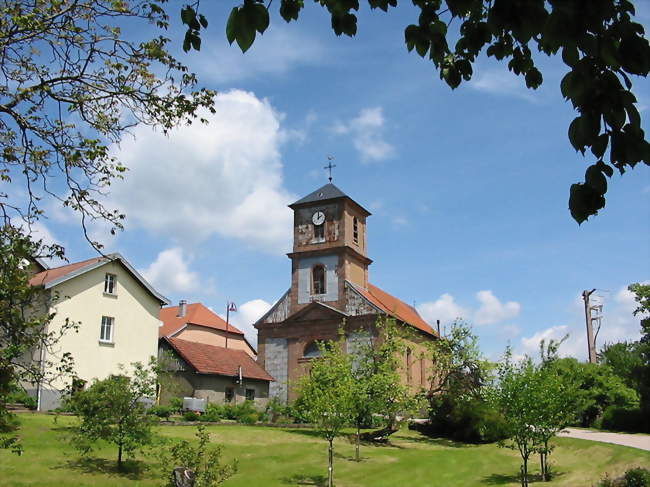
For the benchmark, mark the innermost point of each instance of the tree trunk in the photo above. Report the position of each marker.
(330, 467)
(358, 457)
(119, 456)
(524, 473)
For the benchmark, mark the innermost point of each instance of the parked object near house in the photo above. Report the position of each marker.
(217, 374)
(118, 315)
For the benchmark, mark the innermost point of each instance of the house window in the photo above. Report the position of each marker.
(318, 278)
(230, 394)
(110, 283)
(319, 232)
(355, 230)
(250, 394)
(106, 332)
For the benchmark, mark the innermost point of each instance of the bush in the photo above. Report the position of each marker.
(622, 419)
(470, 420)
(19, 396)
(176, 403)
(637, 477)
(250, 418)
(191, 416)
(213, 412)
(161, 411)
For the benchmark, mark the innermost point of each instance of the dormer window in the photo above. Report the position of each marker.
(110, 284)
(355, 230)
(318, 279)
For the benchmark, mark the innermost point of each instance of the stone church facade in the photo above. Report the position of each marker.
(329, 286)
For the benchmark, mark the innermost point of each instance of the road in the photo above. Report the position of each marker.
(640, 441)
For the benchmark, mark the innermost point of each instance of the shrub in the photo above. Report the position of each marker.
(19, 396)
(176, 403)
(161, 411)
(637, 477)
(470, 420)
(622, 419)
(191, 416)
(250, 418)
(213, 412)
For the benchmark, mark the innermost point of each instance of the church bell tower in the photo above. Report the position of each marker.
(329, 247)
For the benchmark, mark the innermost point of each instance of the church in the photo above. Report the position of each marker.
(329, 286)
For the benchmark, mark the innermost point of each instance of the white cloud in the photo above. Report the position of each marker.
(247, 314)
(366, 130)
(222, 178)
(501, 82)
(269, 56)
(492, 310)
(170, 273)
(444, 309)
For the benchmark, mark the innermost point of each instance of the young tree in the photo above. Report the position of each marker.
(113, 410)
(603, 48)
(376, 370)
(327, 395)
(515, 395)
(201, 463)
(642, 371)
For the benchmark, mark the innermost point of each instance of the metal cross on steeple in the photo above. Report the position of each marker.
(330, 166)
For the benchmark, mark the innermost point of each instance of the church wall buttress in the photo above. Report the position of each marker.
(276, 355)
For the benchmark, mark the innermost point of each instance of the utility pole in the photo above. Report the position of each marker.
(591, 345)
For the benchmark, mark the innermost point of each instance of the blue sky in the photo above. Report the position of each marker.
(468, 188)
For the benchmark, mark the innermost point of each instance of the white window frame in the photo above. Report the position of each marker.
(108, 322)
(112, 287)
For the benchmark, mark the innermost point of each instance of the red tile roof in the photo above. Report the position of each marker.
(195, 314)
(208, 359)
(49, 275)
(395, 307)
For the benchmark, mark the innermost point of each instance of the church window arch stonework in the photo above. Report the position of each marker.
(318, 279)
(312, 350)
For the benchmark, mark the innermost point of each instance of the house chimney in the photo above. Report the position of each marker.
(182, 308)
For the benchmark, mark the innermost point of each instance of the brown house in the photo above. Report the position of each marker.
(329, 286)
(211, 359)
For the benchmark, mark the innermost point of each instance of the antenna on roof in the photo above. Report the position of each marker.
(330, 166)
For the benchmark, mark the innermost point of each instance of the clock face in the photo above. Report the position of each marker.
(318, 218)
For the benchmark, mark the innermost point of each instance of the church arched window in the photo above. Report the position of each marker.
(318, 279)
(355, 230)
(319, 232)
(312, 351)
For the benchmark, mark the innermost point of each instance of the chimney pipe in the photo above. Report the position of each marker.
(182, 308)
(438, 325)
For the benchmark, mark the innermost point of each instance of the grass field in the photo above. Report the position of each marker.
(292, 457)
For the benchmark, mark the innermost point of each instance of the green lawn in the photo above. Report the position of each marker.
(292, 457)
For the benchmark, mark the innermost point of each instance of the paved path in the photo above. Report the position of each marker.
(635, 441)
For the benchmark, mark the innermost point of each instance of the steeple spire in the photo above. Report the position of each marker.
(330, 166)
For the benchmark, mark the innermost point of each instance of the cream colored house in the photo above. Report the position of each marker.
(118, 315)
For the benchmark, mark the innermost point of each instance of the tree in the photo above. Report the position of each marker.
(327, 395)
(642, 371)
(376, 372)
(601, 46)
(203, 461)
(623, 358)
(23, 323)
(113, 410)
(515, 396)
(76, 75)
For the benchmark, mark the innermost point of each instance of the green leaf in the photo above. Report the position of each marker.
(187, 14)
(196, 42)
(595, 179)
(533, 78)
(599, 147)
(231, 26)
(261, 17)
(187, 41)
(570, 55)
(203, 21)
(584, 202)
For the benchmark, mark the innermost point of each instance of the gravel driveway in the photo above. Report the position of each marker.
(635, 441)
